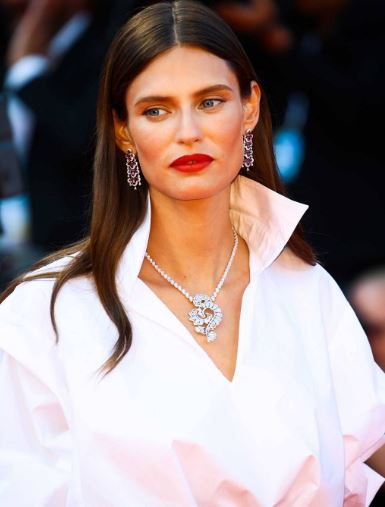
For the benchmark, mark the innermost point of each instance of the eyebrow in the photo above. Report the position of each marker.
(156, 98)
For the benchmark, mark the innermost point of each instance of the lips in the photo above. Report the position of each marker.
(191, 160)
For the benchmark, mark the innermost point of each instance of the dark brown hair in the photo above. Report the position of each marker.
(118, 210)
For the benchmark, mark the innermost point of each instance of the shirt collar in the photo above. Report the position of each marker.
(264, 218)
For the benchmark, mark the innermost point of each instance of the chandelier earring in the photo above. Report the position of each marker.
(133, 171)
(248, 159)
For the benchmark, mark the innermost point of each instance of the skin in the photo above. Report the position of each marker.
(191, 236)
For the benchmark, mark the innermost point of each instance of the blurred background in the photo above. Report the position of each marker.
(322, 65)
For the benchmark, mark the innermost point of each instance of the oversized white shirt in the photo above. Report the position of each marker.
(165, 428)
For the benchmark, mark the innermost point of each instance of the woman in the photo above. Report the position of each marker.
(203, 357)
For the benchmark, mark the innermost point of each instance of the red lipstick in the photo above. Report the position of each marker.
(191, 163)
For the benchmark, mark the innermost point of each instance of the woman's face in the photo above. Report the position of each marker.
(187, 101)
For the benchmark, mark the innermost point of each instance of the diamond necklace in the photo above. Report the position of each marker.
(204, 323)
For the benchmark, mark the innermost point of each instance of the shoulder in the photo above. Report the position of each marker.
(289, 267)
(27, 333)
(309, 288)
(25, 312)
(31, 293)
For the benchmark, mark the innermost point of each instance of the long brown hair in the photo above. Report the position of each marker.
(117, 210)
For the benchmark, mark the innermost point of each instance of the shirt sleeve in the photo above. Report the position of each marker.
(35, 441)
(359, 385)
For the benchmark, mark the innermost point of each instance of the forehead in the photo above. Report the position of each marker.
(181, 70)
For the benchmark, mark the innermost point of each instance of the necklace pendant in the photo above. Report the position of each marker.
(205, 321)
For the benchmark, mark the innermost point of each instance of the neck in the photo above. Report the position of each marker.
(191, 240)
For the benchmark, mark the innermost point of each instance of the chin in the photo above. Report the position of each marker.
(191, 189)
(190, 194)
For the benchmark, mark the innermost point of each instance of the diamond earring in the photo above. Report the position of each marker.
(248, 159)
(133, 171)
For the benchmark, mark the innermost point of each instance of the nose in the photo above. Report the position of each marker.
(188, 128)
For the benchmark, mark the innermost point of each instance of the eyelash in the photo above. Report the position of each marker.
(220, 100)
(158, 108)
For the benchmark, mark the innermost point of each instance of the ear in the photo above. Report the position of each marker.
(122, 136)
(251, 107)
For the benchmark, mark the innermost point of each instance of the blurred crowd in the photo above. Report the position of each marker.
(321, 63)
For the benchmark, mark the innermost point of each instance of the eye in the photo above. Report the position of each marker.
(211, 102)
(154, 112)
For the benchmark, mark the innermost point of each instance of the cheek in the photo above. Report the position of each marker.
(228, 136)
(151, 148)
(151, 140)
(228, 124)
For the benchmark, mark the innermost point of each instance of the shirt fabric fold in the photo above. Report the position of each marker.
(165, 428)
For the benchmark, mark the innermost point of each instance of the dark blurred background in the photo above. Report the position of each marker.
(321, 63)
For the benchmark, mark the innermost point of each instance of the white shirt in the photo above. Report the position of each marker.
(165, 428)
